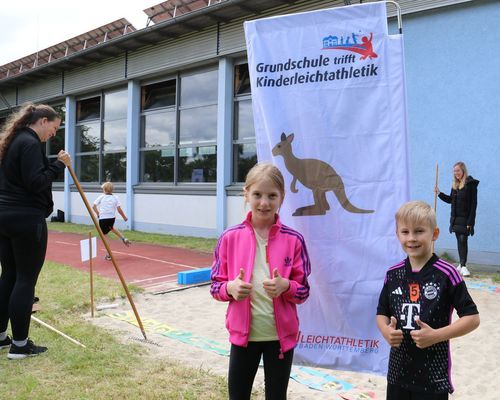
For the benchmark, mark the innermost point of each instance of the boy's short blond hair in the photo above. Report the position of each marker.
(417, 212)
(107, 187)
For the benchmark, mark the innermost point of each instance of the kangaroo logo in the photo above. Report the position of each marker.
(316, 175)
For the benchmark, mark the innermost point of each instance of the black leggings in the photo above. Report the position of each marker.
(23, 243)
(397, 393)
(243, 364)
(462, 248)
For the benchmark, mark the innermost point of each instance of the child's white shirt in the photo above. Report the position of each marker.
(107, 204)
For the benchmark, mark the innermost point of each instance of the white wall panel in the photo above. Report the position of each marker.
(58, 197)
(195, 211)
(95, 75)
(236, 210)
(173, 53)
(9, 97)
(41, 90)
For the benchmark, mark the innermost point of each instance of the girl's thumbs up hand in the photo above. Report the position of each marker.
(275, 286)
(238, 288)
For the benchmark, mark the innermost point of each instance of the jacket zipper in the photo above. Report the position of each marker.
(281, 356)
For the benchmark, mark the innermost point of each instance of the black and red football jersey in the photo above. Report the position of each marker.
(431, 294)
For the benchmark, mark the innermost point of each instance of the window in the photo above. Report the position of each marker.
(179, 129)
(56, 143)
(101, 137)
(198, 127)
(244, 147)
(114, 137)
(158, 131)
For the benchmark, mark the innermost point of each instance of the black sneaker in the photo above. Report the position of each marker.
(5, 343)
(29, 350)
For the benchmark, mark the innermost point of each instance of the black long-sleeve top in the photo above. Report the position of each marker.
(463, 203)
(26, 175)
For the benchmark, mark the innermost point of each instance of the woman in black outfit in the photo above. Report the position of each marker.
(463, 200)
(26, 178)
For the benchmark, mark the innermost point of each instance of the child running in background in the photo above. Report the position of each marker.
(261, 268)
(105, 207)
(414, 311)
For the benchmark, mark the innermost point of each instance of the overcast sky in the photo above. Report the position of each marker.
(31, 25)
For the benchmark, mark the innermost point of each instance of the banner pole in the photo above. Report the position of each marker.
(398, 14)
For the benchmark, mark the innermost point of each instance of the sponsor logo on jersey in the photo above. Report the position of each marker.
(408, 313)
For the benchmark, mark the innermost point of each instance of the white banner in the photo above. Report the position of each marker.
(329, 108)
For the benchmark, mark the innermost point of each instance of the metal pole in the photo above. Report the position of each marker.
(398, 13)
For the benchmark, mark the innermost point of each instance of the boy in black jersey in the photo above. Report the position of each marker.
(415, 308)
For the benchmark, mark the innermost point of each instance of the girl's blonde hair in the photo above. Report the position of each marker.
(459, 184)
(107, 187)
(27, 115)
(263, 171)
(417, 212)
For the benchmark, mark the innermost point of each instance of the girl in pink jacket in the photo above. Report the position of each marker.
(261, 268)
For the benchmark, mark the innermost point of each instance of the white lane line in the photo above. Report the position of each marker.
(71, 244)
(156, 277)
(154, 259)
(161, 284)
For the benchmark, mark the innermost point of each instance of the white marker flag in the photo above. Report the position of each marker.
(85, 249)
(329, 108)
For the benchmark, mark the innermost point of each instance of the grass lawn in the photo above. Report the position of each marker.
(186, 242)
(107, 369)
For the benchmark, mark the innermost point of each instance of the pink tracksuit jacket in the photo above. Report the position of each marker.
(286, 251)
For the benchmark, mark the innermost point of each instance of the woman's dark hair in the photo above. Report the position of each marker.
(27, 115)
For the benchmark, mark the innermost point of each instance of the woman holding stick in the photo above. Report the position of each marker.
(463, 200)
(26, 178)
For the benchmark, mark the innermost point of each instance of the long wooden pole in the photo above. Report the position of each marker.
(435, 197)
(435, 186)
(91, 277)
(106, 245)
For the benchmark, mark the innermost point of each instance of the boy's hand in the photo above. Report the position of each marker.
(238, 288)
(393, 336)
(277, 285)
(425, 336)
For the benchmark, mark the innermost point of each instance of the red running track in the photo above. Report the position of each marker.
(152, 267)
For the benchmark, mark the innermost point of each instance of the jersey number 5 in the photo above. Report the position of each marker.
(414, 292)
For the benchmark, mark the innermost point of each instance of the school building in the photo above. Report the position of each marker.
(165, 111)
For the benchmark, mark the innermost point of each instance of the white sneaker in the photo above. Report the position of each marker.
(459, 268)
(464, 271)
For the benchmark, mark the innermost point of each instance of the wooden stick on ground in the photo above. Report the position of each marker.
(58, 332)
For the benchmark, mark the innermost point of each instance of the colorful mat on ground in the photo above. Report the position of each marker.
(310, 377)
(483, 286)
